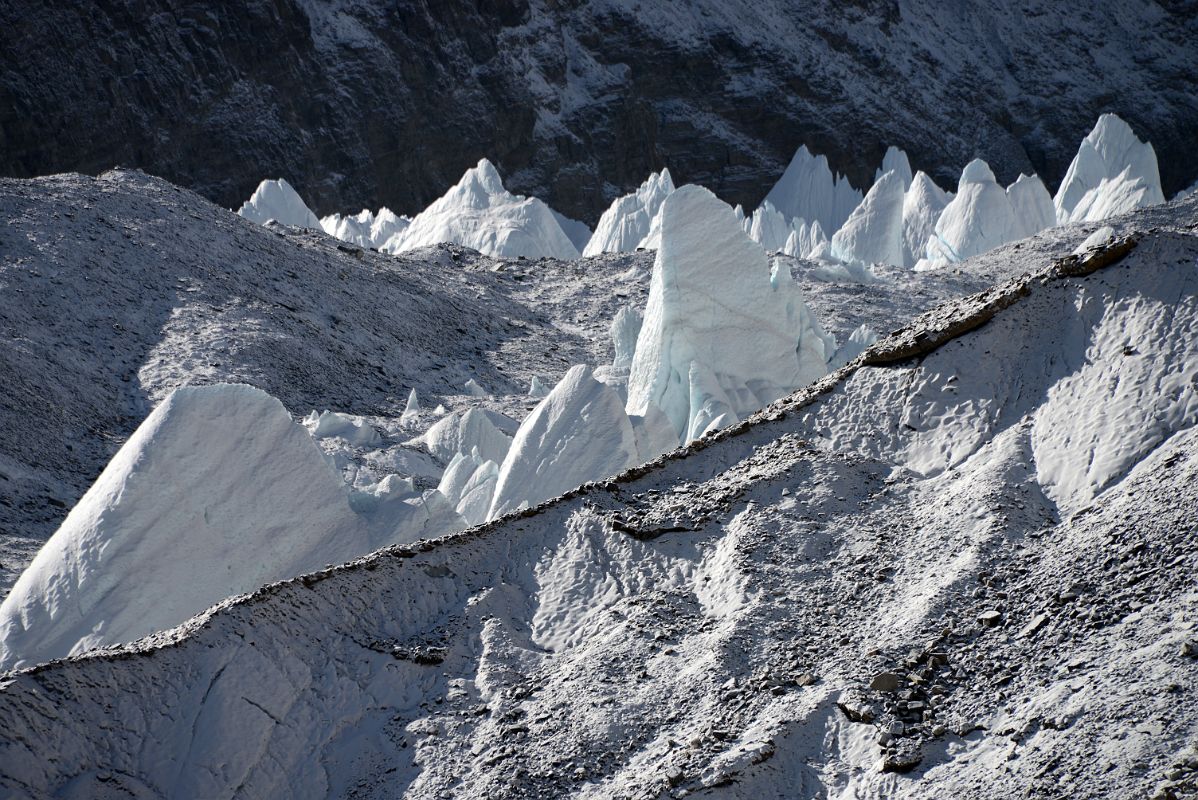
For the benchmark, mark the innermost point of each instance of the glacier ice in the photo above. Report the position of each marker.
(478, 212)
(457, 474)
(576, 231)
(873, 233)
(922, 206)
(278, 201)
(352, 228)
(858, 342)
(1114, 196)
(217, 492)
(411, 411)
(1096, 239)
(578, 433)
(536, 389)
(463, 432)
(807, 241)
(978, 219)
(895, 161)
(713, 300)
(365, 229)
(654, 433)
(1031, 205)
(475, 498)
(983, 216)
(352, 429)
(475, 389)
(625, 328)
(769, 228)
(627, 222)
(808, 190)
(1112, 173)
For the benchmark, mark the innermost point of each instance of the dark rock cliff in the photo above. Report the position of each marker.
(366, 102)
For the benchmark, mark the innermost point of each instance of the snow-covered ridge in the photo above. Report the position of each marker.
(526, 615)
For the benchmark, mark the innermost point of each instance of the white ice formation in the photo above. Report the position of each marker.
(577, 232)
(1113, 172)
(475, 389)
(627, 222)
(218, 492)
(536, 389)
(922, 206)
(278, 201)
(983, 216)
(411, 411)
(1096, 239)
(463, 432)
(895, 161)
(769, 228)
(1031, 205)
(365, 229)
(354, 430)
(873, 233)
(808, 190)
(713, 301)
(478, 212)
(578, 433)
(807, 241)
(625, 328)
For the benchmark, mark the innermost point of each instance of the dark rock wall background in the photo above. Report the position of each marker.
(386, 102)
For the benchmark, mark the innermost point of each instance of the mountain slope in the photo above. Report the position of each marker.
(712, 623)
(365, 103)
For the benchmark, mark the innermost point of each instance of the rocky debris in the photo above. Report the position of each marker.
(990, 618)
(885, 682)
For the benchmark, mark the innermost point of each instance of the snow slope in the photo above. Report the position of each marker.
(479, 213)
(811, 602)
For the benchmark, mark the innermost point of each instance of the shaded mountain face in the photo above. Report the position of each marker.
(368, 103)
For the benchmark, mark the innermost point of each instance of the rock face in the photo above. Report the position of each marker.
(368, 103)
